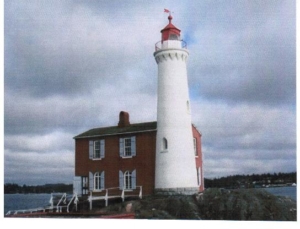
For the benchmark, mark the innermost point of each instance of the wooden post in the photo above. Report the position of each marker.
(106, 198)
(91, 201)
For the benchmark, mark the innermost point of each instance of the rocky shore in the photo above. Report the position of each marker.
(212, 204)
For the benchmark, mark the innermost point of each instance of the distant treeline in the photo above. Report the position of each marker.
(47, 188)
(235, 181)
(252, 181)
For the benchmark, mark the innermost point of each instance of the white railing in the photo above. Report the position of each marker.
(106, 197)
(63, 198)
(66, 205)
(158, 45)
(30, 211)
(58, 208)
(75, 199)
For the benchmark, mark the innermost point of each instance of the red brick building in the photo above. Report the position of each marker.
(122, 157)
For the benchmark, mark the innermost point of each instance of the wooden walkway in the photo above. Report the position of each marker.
(124, 194)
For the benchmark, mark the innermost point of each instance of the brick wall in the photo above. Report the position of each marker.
(143, 162)
(199, 157)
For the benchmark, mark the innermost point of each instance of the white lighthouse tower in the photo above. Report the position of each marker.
(175, 169)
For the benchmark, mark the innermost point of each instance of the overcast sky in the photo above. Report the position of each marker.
(73, 65)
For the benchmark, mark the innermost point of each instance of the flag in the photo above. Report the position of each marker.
(167, 11)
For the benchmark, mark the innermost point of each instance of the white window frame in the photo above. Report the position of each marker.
(174, 37)
(128, 180)
(97, 181)
(127, 148)
(97, 149)
(85, 185)
(195, 147)
(199, 176)
(164, 144)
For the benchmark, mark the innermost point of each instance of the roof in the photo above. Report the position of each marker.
(170, 26)
(115, 130)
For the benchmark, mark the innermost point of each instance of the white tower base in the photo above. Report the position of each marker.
(175, 171)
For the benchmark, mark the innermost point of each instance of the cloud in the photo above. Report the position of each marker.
(246, 126)
(71, 52)
(73, 114)
(56, 141)
(245, 58)
(33, 168)
(233, 136)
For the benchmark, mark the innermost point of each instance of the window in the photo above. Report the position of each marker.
(127, 180)
(199, 179)
(77, 185)
(164, 144)
(127, 147)
(188, 106)
(127, 151)
(80, 185)
(173, 37)
(96, 181)
(195, 147)
(85, 185)
(97, 149)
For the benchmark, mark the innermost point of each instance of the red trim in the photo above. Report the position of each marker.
(73, 214)
(119, 216)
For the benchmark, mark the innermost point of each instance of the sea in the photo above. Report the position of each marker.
(31, 201)
(289, 191)
(25, 201)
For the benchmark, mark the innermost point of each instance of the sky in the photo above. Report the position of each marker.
(73, 65)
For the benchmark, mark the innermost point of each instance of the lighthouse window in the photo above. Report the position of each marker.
(165, 144)
(173, 37)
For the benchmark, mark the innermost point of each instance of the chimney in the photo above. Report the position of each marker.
(123, 119)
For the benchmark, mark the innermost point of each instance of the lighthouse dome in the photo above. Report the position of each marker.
(170, 38)
(170, 32)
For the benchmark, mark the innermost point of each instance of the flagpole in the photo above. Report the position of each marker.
(167, 11)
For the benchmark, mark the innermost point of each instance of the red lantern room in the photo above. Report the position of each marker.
(170, 32)
(170, 37)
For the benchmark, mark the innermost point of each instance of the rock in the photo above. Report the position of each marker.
(128, 207)
(212, 204)
(246, 204)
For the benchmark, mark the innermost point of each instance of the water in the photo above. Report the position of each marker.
(290, 191)
(30, 201)
(25, 201)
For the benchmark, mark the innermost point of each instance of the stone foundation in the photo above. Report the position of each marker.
(176, 191)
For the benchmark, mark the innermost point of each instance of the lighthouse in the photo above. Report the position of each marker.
(175, 169)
